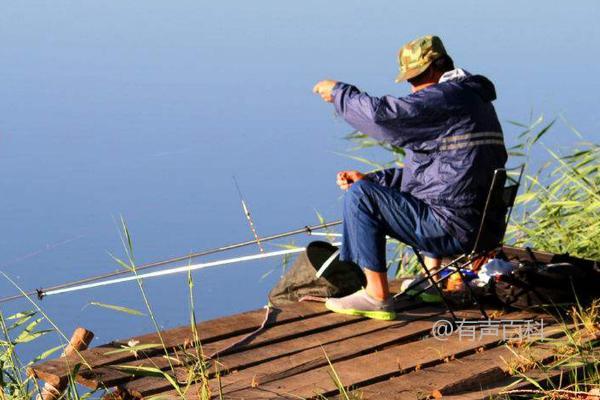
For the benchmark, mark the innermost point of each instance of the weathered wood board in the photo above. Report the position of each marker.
(290, 358)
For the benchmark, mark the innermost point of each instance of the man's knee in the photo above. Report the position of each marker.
(362, 188)
(360, 193)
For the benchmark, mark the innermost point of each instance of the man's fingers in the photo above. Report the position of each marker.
(350, 175)
(318, 87)
(353, 176)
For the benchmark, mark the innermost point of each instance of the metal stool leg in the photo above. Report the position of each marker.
(425, 279)
(434, 283)
(471, 293)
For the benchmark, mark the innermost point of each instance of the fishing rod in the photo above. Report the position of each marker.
(40, 292)
(176, 270)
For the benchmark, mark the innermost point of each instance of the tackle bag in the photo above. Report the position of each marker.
(338, 278)
(537, 285)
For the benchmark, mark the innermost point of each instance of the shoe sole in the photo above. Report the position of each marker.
(380, 315)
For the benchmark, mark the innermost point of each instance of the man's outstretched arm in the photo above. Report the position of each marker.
(390, 119)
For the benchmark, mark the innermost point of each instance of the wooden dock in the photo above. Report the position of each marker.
(287, 359)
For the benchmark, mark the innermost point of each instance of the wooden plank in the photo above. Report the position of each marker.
(394, 333)
(109, 375)
(548, 379)
(379, 363)
(304, 352)
(471, 373)
(53, 371)
(362, 327)
(79, 341)
(374, 367)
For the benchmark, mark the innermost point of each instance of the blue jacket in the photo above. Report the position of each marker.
(453, 142)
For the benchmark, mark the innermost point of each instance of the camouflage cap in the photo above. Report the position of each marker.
(414, 57)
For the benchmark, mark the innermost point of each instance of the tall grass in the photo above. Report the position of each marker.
(559, 207)
(194, 363)
(16, 330)
(575, 356)
(14, 380)
(345, 393)
(21, 328)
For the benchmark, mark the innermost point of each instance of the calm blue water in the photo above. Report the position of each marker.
(147, 109)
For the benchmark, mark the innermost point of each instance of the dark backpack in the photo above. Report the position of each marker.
(536, 285)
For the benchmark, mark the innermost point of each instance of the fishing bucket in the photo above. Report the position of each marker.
(318, 272)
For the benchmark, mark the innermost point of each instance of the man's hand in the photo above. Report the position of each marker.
(345, 179)
(324, 88)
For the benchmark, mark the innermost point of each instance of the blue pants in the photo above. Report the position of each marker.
(372, 211)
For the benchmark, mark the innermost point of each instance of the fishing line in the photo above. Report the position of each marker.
(248, 216)
(306, 229)
(47, 247)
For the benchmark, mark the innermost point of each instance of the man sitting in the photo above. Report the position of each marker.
(453, 143)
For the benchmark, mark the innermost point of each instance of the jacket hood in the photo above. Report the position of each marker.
(477, 83)
(480, 85)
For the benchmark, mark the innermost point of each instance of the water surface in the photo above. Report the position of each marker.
(147, 109)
